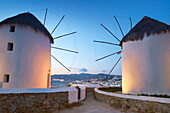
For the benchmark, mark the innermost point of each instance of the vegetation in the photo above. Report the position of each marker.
(155, 95)
(111, 89)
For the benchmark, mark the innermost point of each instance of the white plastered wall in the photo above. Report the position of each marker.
(29, 62)
(146, 65)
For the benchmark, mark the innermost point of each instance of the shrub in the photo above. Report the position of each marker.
(111, 89)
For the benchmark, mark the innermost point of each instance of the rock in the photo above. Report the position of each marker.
(12, 108)
(135, 105)
(38, 105)
(5, 110)
(56, 105)
(33, 102)
(46, 102)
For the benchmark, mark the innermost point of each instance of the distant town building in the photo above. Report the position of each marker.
(25, 53)
(146, 58)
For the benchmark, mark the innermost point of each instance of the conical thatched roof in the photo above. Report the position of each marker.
(146, 26)
(30, 20)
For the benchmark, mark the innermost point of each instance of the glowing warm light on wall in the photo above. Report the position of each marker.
(125, 85)
(145, 67)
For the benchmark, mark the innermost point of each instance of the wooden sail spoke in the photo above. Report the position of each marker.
(110, 32)
(106, 42)
(108, 55)
(64, 49)
(114, 66)
(119, 26)
(64, 35)
(60, 63)
(57, 25)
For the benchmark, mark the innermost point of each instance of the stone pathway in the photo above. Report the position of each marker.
(90, 105)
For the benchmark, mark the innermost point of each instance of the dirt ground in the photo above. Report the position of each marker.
(90, 105)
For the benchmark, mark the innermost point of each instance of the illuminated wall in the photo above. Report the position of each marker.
(29, 63)
(146, 65)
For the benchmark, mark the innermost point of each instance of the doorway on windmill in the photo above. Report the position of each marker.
(12, 28)
(10, 46)
(6, 78)
(79, 92)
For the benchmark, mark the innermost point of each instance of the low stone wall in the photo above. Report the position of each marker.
(89, 87)
(33, 102)
(89, 90)
(129, 103)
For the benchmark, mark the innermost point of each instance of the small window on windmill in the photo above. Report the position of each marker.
(10, 46)
(12, 28)
(6, 78)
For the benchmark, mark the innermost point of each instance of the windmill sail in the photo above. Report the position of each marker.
(108, 55)
(110, 32)
(64, 49)
(114, 66)
(57, 25)
(105, 42)
(45, 16)
(60, 63)
(130, 22)
(65, 35)
(119, 26)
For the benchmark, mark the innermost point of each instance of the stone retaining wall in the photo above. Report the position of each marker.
(33, 102)
(132, 105)
(89, 90)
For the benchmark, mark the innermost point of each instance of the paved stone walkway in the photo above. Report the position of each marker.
(90, 105)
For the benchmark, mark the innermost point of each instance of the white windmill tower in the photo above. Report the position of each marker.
(25, 57)
(145, 57)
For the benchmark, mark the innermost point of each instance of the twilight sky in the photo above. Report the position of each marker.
(85, 17)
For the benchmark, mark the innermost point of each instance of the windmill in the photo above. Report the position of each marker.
(114, 44)
(26, 46)
(57, 37)
(145, 57)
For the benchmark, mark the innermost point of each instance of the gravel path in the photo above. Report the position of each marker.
(90, 105)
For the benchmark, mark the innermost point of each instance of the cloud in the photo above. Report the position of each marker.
(104, 70)
(83, 70)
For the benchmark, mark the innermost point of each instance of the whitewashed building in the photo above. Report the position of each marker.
(25, 53)
(146, 58)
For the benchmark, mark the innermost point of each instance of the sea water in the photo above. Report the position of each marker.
(60, 83)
